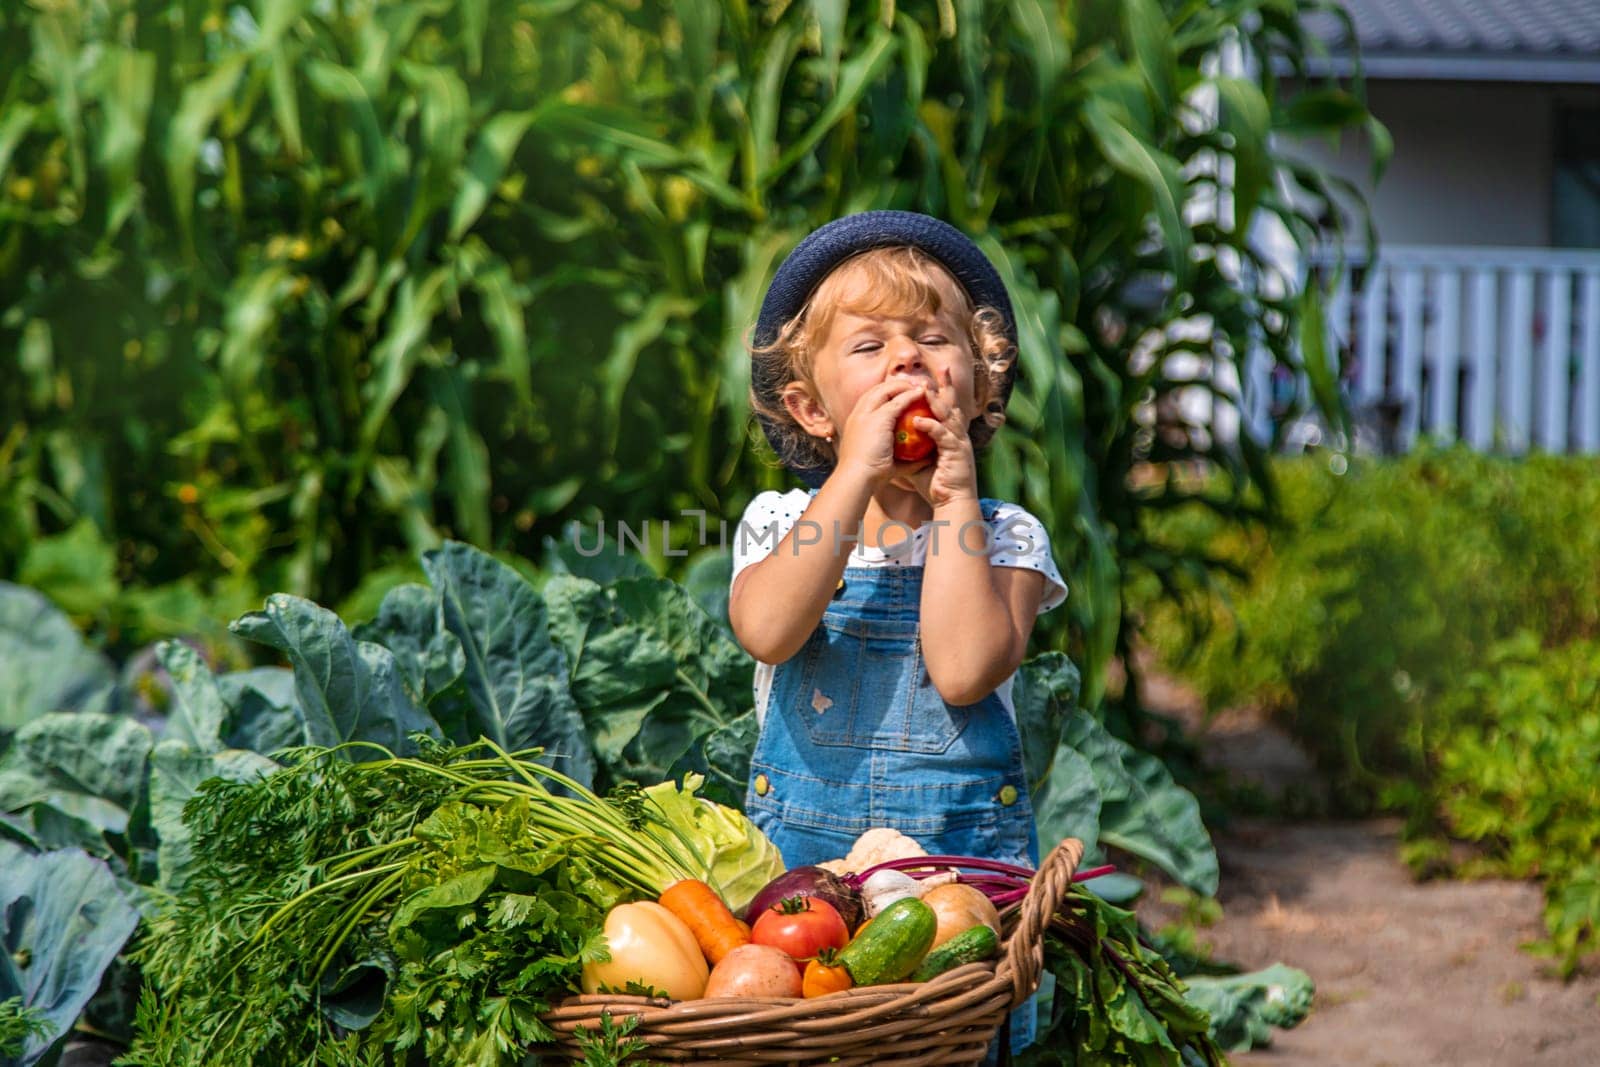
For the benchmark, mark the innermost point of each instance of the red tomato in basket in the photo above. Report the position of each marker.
(802, 927)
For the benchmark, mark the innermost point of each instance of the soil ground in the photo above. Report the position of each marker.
(1407, 973)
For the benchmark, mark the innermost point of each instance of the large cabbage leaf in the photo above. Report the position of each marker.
(663, 689)
(347, 690)
(63, 919)
(87, 765)
(515, 674)
(254, 709)
(1088, 784)
(1245, 1008)
(44, 663)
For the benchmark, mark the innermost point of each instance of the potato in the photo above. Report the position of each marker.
(754, 971)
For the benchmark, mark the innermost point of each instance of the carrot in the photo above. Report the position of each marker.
(715, 929)
(823, 976)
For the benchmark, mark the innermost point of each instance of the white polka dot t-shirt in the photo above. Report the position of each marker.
(1018, 539)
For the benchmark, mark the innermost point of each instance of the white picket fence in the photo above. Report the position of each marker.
(1497, 347)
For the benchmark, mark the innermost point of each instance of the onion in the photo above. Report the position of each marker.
(808, 882)
(959, 907)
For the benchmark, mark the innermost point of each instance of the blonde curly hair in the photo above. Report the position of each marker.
(899, 280)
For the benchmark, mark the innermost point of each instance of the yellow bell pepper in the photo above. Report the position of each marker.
(651, 946)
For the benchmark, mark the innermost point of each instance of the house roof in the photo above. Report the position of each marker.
(1487, 40)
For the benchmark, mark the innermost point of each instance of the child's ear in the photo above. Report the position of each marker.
(807, 410)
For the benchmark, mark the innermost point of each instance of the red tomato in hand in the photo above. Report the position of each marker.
(802, 927)
(910, 443)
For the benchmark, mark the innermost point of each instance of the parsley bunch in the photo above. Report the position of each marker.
(348, 913)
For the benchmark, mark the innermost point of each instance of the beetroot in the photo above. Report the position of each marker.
(809, 882)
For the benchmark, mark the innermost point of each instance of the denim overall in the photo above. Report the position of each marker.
(856, 736)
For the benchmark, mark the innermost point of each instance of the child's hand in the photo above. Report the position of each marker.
(953, 474)
(866, 443)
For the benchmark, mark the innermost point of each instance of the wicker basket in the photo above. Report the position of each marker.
(950, 1019)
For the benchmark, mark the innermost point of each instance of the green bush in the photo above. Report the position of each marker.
(1379, 591)
(1511, 754)
(1428, 628)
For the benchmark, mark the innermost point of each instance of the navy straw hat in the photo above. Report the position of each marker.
(825, 248)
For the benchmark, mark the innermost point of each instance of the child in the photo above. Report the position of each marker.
(883, 681)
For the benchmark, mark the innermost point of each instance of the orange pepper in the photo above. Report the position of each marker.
(822, 978)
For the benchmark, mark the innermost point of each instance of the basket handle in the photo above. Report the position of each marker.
(1025, 947)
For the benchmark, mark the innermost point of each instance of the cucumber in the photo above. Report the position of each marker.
(890, 946)
(969, 946)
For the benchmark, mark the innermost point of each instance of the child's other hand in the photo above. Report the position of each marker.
(866, 443)
(953, 473)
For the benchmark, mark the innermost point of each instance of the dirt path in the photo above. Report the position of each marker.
(1407, 973)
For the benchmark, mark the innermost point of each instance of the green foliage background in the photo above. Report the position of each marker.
(296, 290)
(1511, 751)
(1428, 628)
(1383, 588)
